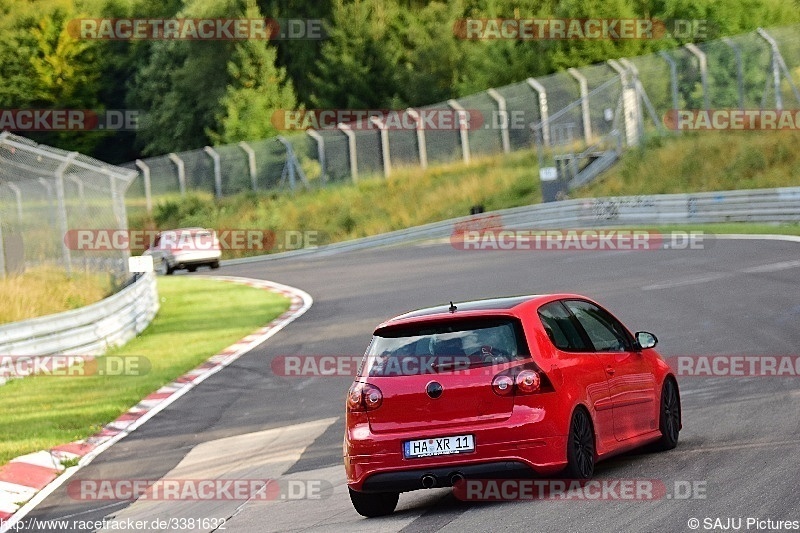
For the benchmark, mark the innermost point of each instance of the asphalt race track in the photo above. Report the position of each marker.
(741, 436)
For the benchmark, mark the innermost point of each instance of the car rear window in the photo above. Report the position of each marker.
(434, 348)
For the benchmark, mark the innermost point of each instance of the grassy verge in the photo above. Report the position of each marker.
(197, 319)
(745, 228)
(690, 162)
(46, 290)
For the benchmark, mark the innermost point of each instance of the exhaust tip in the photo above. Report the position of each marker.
(428, 481)
(456, 477)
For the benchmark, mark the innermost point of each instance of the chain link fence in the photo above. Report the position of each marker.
(575, 118)
(46, 194)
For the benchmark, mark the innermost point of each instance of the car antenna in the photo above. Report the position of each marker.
(452, 307)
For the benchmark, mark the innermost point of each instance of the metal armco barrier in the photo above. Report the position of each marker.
(90, 330)
(755, 205)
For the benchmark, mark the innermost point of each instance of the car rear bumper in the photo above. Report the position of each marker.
(515, 458)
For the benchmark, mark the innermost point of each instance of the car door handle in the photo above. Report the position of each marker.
(610, 370)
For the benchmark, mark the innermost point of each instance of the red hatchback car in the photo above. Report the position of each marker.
(507, 387)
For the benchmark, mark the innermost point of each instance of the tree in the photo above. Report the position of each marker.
(257, 89)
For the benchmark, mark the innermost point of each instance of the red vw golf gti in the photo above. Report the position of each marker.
(508, 387)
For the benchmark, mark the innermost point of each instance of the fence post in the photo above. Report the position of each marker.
(320, 152)
(148, 198)
(118, 208)
(673, 77)
(463, 129)
(217, 170)
(178, 162)
(503, 112)
(544, 115)
(251, 163)
(18, 196)
(640, 96)
(384, 132)
(422, 148)
(587, 119)
(77, 181)
(351, 148)
(63, 226)
(630, 100)
(739, 69)
(292, 165)
(778, 64)
(701, 57)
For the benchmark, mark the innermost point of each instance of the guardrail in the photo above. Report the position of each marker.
(90, 330)
(754, 205)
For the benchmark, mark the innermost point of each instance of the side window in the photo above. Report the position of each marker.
(605, 332)
(560, 328)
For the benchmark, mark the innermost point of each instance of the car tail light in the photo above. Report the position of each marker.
(503, 385)
(528, 381)
(363, 397)
(524, 379)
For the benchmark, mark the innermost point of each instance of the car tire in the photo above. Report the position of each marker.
(192, 269)
(215, 265)
(373, 504)
(580, 446)
(163, 268)
(669, 420)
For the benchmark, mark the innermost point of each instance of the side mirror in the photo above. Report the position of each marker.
(646, 340)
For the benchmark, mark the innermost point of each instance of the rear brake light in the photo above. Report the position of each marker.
(503, 385)
(363, 397)
(525, 379)
(528, 381)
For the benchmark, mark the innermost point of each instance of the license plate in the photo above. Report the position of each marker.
(438, 446)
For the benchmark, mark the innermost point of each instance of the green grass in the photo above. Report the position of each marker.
(691, 162)
(45, 290)
(745, 228)
(197, 319)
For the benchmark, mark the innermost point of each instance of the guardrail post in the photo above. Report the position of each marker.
(503, 112)
(62, 211)
(178, 162)
(384, 132)
(463, 128)
(584, 88)
(778, 65)
(701, 57)
(544, 114)
(320, 152)
(251, 163)
(422, 148)
(217, 170)
(148, 197)
(737, 52)
(351, 148)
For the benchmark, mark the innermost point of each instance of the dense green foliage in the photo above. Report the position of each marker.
(375, 54)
